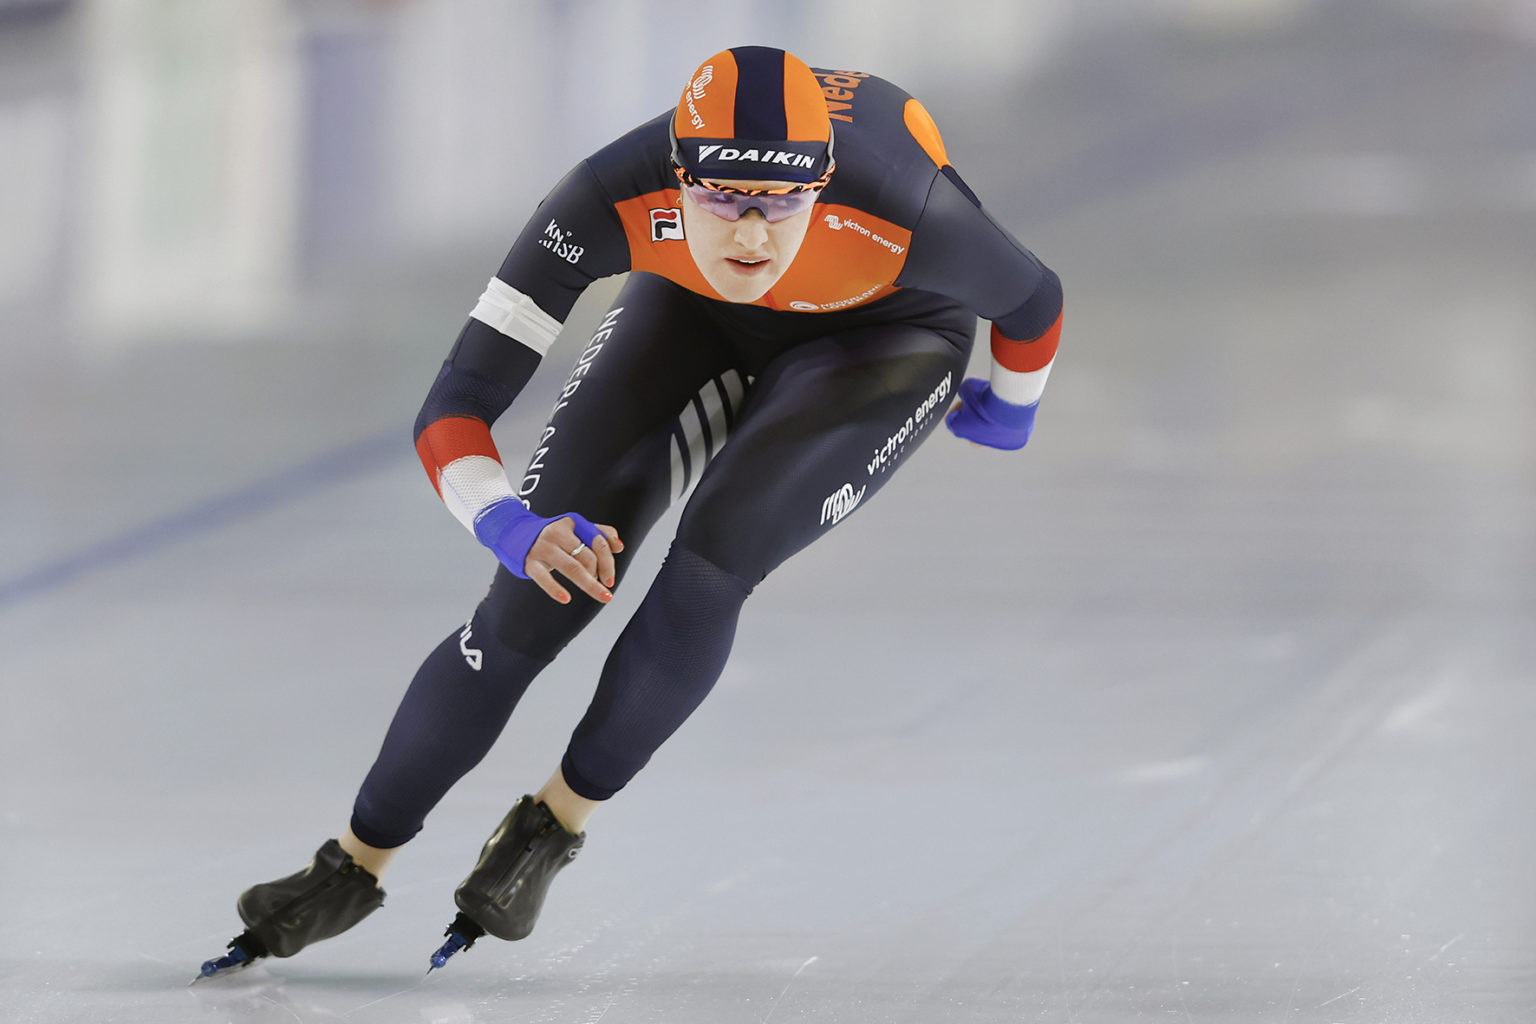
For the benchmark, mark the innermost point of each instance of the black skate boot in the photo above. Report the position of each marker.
(504, 893)
(325, 899)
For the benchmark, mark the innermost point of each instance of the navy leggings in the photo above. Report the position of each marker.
(778, 442)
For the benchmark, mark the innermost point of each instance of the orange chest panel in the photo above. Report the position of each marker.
(848, 258)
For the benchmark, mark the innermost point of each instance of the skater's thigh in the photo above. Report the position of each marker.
(651, 378)
(606, 449)
(824, 428)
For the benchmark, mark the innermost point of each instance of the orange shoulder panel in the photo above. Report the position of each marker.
(921, 125)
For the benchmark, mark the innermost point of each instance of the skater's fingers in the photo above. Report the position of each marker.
(585, 556)
(611, 533)
(558, 542)
(539, 573)
(558, 549)
(575, 570)
(603, 552)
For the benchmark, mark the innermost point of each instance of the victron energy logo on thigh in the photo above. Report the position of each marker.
(886, 455)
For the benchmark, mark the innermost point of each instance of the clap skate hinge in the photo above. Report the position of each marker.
(461, 935)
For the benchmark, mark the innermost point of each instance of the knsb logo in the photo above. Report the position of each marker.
(666, 224)
(804, 307)
(558, 241)
(473, 656)
(841, 502)
(834, 222)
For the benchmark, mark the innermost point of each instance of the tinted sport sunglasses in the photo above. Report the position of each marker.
(775, 204)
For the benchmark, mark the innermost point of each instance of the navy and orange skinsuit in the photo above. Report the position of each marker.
(896, 235)
(801, 404)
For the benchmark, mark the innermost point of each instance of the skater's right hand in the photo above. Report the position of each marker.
(589, 565)
(534, 548)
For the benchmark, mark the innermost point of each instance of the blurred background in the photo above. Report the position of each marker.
(1218, 709)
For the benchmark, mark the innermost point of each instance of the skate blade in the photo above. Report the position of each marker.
(233, 962)
(220, 972)
(456, 943)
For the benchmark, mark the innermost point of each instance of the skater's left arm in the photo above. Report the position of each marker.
(959, 250)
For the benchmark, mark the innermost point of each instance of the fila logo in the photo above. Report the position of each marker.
(666, 224)
(834, 222)
(841, 502)
(766, 156)
(472, 656)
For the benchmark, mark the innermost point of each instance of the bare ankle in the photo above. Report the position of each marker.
(570, 809)
(375, 860)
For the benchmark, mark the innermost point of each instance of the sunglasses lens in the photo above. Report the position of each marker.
(732, 205)
(777, 208)
(721, 204)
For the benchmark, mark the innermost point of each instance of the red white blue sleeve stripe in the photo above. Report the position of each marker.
(1020, 368)
(462, 461)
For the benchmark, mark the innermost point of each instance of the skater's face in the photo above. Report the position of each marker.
(741, 259)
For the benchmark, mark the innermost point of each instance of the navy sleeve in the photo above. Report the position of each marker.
(574, 238)
(960, 251)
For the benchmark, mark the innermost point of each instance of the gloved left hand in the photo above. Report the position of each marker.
(984, 418)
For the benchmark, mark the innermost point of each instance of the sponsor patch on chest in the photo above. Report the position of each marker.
(666, 225)
(849, 258)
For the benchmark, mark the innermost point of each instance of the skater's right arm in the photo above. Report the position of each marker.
(574, 238)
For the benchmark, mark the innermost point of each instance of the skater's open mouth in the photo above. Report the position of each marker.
(748, 265)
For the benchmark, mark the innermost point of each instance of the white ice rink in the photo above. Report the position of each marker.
(1215, 704)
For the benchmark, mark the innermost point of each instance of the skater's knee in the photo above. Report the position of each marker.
(520, 618)
(714, 546)
(690, 577)
(746, 528)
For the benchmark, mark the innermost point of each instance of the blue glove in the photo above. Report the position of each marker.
(509, 529)
(987, 419)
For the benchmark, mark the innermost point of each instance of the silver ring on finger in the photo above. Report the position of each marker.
(577, 549)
